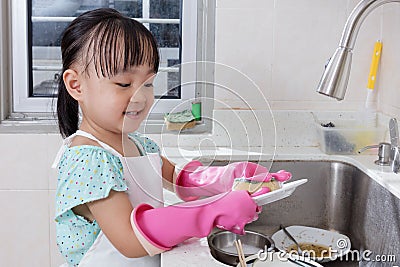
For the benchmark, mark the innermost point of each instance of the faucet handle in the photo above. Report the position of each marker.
(383, 153)
(394, 132)
(396, 160)
(394, 141)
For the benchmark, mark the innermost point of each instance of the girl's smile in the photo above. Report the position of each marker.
(133, 114)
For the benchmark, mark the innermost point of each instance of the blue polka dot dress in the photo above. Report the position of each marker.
(87, 173)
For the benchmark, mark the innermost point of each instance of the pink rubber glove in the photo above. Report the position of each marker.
(195, 180)
(166, 227)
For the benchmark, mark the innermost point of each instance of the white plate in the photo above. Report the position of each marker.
(276, 259)
(286, 190)
(339, 243)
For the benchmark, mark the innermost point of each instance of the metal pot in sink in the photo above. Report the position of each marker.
(223, 249)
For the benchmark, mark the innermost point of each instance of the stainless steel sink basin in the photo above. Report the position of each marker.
(339, 197)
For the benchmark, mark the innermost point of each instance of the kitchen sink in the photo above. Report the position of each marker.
(338, 197)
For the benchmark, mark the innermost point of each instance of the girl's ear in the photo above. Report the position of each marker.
(72, 83)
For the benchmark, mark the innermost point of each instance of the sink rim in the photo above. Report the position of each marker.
(380, 174)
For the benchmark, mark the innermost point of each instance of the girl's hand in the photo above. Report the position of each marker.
(195, 180)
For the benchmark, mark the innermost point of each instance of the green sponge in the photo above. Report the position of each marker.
(179, 120)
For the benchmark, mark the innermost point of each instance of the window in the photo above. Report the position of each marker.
(36, 27)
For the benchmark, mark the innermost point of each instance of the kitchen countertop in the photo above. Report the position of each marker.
(195, 251)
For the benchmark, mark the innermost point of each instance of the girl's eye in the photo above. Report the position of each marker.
(124, 84)
(148, 85)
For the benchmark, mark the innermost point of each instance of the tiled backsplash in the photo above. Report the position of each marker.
(283, 45)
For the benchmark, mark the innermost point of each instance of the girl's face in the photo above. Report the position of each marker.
(117, 104)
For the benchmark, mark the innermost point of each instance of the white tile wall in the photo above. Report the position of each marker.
(23, 162)
(24, 228)
(283, 45)
(244, 42)
(26, 201)
(53, 143)
(274, 49)
(389, 83)
(304, 37)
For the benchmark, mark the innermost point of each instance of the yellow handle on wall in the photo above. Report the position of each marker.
(374, 65)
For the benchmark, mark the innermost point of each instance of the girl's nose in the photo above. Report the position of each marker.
(138, 96)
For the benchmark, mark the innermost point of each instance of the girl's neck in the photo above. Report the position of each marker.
(118, 141)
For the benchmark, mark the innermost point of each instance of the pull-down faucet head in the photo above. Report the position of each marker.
(336, 76)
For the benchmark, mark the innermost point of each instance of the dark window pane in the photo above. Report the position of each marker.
(165, 9)
(167, 35)
(45, 37)
(173, 79)
(47, 33)
(131, 9)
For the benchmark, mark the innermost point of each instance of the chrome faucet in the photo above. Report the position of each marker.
(335, 78)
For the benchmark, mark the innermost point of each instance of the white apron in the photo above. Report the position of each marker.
(144, 181)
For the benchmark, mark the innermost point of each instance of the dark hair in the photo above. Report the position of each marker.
(109, 40)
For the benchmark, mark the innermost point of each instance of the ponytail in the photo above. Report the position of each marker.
(67, 111)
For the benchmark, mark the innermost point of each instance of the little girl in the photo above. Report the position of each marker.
(109, 202)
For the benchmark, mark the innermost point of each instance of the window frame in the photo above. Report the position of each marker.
(17, 107)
